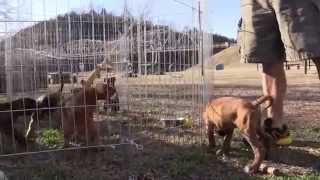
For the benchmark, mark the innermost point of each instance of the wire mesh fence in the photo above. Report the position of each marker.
(77, 74)
(126, 79)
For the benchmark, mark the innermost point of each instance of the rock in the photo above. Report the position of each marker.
(273, 171)
(264, 168)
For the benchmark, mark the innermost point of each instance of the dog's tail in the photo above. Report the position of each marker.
(261, 100)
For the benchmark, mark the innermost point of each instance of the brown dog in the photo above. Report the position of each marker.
(45, 105)
(75, 112)
(78, 110)
(50, 102)
(226, 113)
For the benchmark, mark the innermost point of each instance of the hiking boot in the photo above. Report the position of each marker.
(281, 136)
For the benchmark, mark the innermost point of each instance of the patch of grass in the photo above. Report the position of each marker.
(3, 99)
(186, 162)
(317, 130)
(307, 134)
(312, 176)
(51, 138)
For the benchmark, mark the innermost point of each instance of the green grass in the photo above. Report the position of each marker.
(51, 138)
(3, 99)
(306, 134)
(185, 162)
(313, 176)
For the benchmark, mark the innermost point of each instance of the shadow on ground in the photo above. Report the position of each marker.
(304, 155)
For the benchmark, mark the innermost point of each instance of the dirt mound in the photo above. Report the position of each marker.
(228, 57)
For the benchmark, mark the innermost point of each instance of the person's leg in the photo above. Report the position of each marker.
(260, 41)
(274, 84)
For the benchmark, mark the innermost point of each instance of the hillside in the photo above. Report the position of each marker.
(88, 25)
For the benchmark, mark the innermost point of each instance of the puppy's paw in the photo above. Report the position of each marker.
(220, 152)
(247, 170)
(250, 170)
(223, 151)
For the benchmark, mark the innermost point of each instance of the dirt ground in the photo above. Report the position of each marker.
(158, 152)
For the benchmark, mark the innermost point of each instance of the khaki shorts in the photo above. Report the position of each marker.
(279, 30)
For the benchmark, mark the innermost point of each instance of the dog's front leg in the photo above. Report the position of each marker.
(30, 129)
(210, 133)
(258, 150)
(68, 125)
(227, 141)
(266, 139)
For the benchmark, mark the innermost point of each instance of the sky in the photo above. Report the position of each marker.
(220, 16)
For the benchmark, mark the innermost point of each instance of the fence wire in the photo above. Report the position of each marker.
(77, 74)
